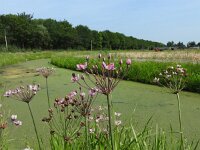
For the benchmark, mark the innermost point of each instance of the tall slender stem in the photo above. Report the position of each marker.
(180, 120)
(34, 126)
(110, 122)
(65, 130)
(48, 93)
(86, 132)
(47, 87)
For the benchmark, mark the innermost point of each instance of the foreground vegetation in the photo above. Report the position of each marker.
(147, 137)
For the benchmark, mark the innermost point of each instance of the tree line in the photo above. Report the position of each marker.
(181, 45)
(22, 31)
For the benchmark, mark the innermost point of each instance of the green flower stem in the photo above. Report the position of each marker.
(48, 93)
(65, 130)
(180, 120)
(86, 132)
(34, 126)
(110, 122)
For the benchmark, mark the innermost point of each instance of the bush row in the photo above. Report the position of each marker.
(143, 72)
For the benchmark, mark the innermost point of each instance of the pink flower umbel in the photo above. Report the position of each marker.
(45, 71)
(105, 75)
(24, 94)
(174, 77)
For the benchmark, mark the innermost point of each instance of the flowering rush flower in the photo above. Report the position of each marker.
(93, 92)
(110, 66)
(24, 94)
(72, 94)
(106, 75)
(45, 71)
(81, 66)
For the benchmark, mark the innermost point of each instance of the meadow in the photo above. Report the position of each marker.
(137, 102)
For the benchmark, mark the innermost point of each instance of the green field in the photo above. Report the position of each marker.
(136, 101)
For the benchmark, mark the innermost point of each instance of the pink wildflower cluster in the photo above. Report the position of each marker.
(104, 75)
(172, 77)
(22, 93)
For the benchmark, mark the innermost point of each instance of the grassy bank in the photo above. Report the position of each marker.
(13, 58)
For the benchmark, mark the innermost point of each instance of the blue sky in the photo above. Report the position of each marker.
(157, 20)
